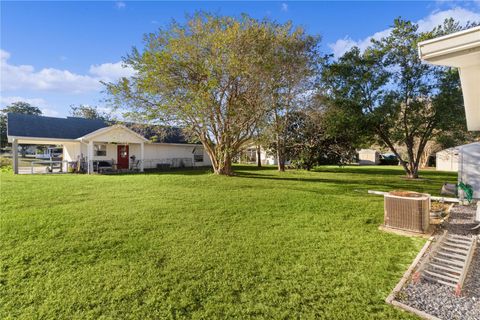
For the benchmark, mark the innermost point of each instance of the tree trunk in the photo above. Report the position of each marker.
(413, 173)
(259, 157)
(280, 156)
(224, 166)
(280, 160)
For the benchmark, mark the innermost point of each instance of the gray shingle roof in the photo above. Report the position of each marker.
(25, 125)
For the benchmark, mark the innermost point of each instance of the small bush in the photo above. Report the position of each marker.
(5, 164)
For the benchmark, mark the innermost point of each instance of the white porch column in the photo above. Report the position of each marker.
(15, 155)
(142, 156)
(90, 157)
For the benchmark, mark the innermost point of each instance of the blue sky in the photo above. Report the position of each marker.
(53, 54)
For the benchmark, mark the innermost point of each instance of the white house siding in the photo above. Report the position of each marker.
(154, 153)
(71, 150)
(447, 160)
(469, 167)
(158, 153)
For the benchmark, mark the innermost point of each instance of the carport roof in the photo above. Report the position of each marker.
(25, 125)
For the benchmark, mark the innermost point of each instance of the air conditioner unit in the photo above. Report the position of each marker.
(409, 211)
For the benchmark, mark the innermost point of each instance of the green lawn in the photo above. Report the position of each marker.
(189, 244)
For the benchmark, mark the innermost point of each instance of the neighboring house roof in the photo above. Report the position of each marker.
(33, 126)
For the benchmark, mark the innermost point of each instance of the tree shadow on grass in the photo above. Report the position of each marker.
(362, 184)
(174, 171)
(385, 170)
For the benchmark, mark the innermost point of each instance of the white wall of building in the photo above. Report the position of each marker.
(469, 167)
(368, 157)
(158, 153)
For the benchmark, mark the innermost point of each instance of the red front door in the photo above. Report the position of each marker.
(122, 157)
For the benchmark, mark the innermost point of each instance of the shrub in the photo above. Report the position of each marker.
(5, 164)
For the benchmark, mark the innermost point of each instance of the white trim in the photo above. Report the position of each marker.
(178, 144)
(107, 129)
(11, 138)
(142, 156)
(90, 156)
(450, 46)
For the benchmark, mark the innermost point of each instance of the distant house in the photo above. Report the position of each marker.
(447, 160)
(93, 141)
(368, 157)
(250, 154)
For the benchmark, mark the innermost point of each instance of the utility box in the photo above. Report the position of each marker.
(409, 211)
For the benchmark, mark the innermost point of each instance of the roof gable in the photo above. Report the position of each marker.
(116, 133)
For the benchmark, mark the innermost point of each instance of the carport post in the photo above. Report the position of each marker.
(15, 155)
(90, 156)
(142, 156)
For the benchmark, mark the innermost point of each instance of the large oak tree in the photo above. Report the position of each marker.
(208, 76)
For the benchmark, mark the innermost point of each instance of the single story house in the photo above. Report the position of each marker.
(95, 140)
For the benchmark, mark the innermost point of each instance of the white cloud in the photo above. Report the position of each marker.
(111, 71)
(284, 7)
(120, 4)
(49, 112)
(15, 77)
(428, 23)
(437, 17)
(4, 55)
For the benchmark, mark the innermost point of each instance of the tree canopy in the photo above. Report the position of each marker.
(89, 112)
(15, 107)
(388, 93)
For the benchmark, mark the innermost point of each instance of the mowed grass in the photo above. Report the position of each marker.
(188, 244)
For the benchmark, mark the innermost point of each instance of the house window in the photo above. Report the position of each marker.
(198, 154)
(100, 150)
